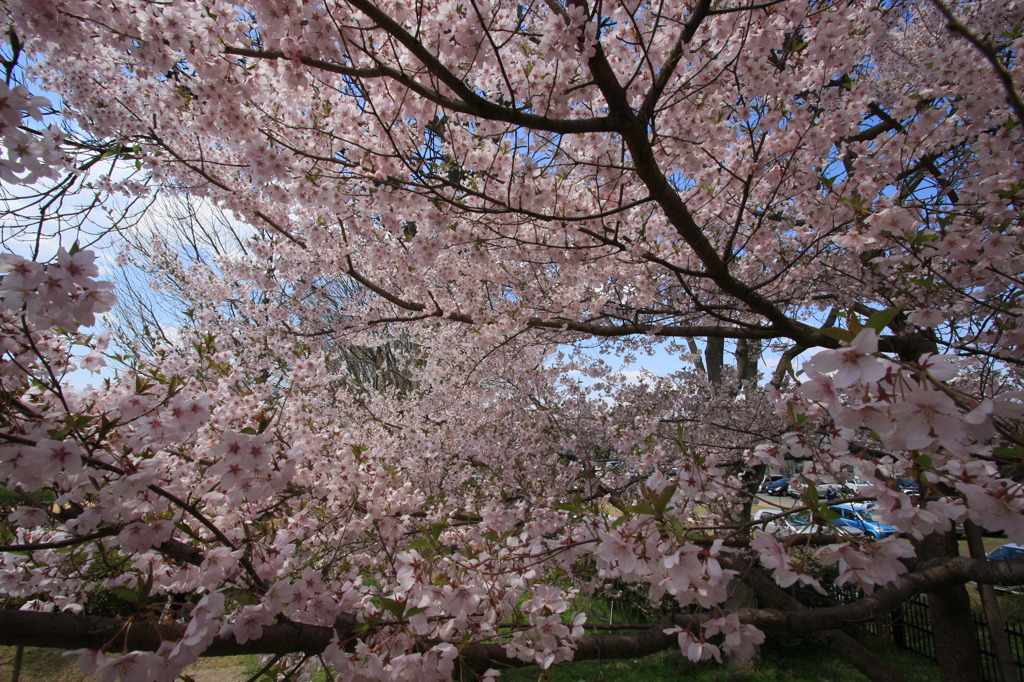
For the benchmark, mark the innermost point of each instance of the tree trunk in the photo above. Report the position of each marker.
(840, 643)
(949, 609)
(748, 353)
(714, 359)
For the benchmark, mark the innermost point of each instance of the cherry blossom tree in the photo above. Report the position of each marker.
(459, 194)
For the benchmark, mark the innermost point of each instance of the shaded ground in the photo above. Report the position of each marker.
(226, 669)
(786, 659)
(41, 665)
(50, 665)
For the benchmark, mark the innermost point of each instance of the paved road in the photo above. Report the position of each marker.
(773, 502)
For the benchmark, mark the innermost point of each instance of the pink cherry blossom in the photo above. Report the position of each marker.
(869, 565)
(856, 363)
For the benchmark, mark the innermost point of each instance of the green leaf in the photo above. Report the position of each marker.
(844, 335)
(924, 461)
(392, 606)
(923, 237)
(661, 504)
(574, 506)
(827, 514)
(643, 507)
(1014, 452)
(881, 319)
(810, 497)
(127, 594)
(263, 421)
(677, 526)
(853, 323)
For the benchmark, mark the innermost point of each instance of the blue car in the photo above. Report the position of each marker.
(779, 487)
(1008, 551)
(908, 486)
(857, 517)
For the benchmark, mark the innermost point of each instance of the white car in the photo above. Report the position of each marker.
(855, 485)
(852, 487)
(776, 522)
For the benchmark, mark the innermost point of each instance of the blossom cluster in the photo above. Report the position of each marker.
(29, 156)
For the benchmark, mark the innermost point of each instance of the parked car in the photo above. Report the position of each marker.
(797, 488)
(908, 486)
(779, 487)
(776, 522)
(610, 465)
(851, 487)
(1010, 550)
(766, 516)
(768, 480)
(858, 516)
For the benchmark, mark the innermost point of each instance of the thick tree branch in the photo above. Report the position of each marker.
(635, 134)
(74, 631)
(468, 103)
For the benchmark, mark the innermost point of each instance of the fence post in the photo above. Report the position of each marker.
(993, 615)
(899, 634)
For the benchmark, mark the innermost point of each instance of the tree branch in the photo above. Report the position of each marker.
(74, 631)
(469, 102)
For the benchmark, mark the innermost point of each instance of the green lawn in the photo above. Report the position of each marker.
(40, 665)
(51, 665)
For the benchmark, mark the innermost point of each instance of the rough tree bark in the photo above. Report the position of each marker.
(949, 609)
(714, 354)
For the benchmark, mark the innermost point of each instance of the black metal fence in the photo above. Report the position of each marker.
(910, 628)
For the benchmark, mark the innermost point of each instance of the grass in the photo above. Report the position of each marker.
(1011, 605)
(51, 665)
(41, 665)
